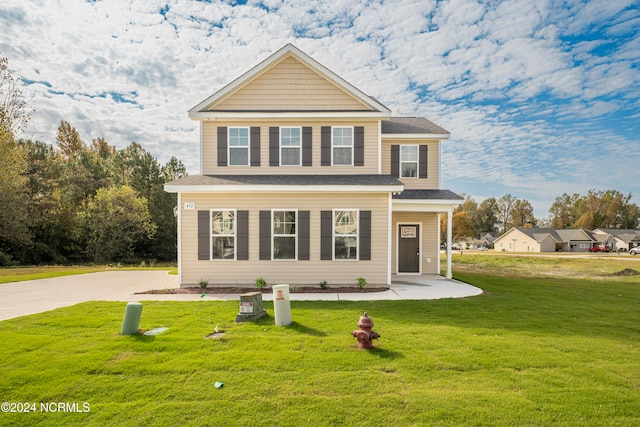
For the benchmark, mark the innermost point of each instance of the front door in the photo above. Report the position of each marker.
(409, 249)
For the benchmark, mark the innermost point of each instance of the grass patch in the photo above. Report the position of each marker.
(537, 350)
(21, 274)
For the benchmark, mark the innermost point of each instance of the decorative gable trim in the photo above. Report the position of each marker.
(202, 110)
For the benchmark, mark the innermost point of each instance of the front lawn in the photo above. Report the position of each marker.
(534, 350)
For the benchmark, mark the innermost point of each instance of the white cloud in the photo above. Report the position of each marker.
(529, 89)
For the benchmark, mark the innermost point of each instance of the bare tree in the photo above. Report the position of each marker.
(14, 106)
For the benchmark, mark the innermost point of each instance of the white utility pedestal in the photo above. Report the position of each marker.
(281, 305)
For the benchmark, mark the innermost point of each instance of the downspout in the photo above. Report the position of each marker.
(389, 237)
(438, 260)
(179, 237)
(449, 220)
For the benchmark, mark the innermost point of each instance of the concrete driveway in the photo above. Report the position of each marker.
(35, 296)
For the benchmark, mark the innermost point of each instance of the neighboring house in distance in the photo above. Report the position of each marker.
(545, 240)
(487, 239)
(618, 239)
(304, 179)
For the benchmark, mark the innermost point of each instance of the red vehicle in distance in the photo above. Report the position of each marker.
(599, 248)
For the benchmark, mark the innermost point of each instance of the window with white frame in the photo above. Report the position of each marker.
(223, 234)
(239, 146)
(408, 161)
(290, 146)
(285, 234)
(345, 234)
(342, 146)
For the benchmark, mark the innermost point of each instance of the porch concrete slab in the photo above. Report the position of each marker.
(35, 296)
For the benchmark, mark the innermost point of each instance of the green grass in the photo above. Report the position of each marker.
(532, 351)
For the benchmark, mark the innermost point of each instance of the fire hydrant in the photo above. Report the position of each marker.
(365, 335)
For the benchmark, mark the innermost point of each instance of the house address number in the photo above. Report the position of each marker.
(189, 206)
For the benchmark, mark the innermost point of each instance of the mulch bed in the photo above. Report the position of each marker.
(626, 272)
(293, 290)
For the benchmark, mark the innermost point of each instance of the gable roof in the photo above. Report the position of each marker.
(403, 127)
(371, 106)
(559, 235)
(625, 235)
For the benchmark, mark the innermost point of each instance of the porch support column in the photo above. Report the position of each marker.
(449, 220)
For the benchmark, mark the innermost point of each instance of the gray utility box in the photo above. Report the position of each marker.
(250, 307)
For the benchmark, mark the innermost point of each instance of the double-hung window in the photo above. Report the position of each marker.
(223, 234)
(285, 234)
(408, 161)
(342, 146)
(290, 146)
(239, 146)
(345, 234)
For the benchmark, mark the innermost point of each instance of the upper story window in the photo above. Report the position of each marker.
(342, 146)
(290, 146)
(408, 161)
(223, 234)
(284, 234)
(239, 146)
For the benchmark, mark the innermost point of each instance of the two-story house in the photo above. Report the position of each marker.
(305, 179)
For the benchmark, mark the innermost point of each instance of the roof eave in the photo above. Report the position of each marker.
(215, 115)
(416, 135)
(232, 188)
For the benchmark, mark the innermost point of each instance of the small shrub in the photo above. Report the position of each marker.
(362, 282)
(203, 284)
(261, 283)
(143, 264)
(324, 285)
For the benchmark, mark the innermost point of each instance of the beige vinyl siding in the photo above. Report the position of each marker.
(290, 85)
(312, 272)
(210, 148)
(430, 239)
(523, 243)
(433, 163)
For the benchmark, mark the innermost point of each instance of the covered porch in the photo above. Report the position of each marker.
(416, 234)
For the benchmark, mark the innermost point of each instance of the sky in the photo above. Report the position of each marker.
(541, 97)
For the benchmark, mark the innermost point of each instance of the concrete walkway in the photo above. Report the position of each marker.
(35, 296)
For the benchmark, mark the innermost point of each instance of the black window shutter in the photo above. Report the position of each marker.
(326, 235)
(243, 235)
(307, 153)
(222, 146)
(325, 146)
(274, 146)
(255, 146)
(303, 235)
(423, 158)
(395, 160)
(365, 235)
(358, 146)
(265, 235)
(204, 241)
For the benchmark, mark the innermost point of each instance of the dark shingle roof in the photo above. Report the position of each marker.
(427, 195)
(285, 180)
(411, 125)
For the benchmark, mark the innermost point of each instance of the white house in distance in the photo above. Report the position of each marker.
(305, 178)
(618, 239)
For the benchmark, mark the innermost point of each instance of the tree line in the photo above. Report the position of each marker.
(596, 209)
(76, 202)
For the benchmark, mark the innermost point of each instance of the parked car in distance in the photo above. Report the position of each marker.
(635, 250)
(599, 248)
